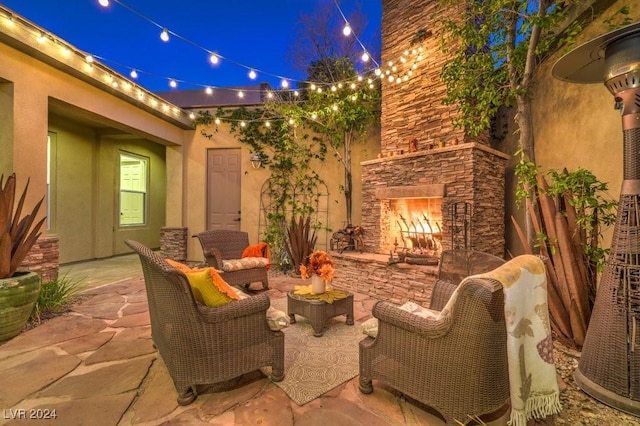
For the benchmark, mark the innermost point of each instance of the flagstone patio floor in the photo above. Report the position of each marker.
(96, 365)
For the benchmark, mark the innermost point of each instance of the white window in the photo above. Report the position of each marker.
(134, 173)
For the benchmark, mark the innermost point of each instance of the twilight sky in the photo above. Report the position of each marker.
(255, 33)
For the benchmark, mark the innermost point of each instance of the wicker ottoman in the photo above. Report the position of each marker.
(317, 311)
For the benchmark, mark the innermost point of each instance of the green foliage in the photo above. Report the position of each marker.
(490, 41)
(581, 189)
(620, 19)
(55, 296)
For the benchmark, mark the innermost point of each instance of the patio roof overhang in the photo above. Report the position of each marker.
(29, 38)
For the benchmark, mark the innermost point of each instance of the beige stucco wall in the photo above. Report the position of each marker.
(576, 125)
(252, 180)
(91, 122)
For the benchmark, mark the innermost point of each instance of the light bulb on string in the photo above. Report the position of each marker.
(208, 91)
(42, 38)
(270, 95)
(296, 93)
(192, 116)
(346, 30)
(365, 57)
(103, 3)
(241, 94)
(284, 83)
(217, 121)
(267, 123)
(214, 59)
(164, 35)
(133, 73)
(252, 75)
(89, 59)
(312, 87)
(173, 84)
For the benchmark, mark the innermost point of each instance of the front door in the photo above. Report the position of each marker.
(223, 188)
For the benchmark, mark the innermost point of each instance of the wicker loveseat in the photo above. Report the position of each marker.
(223, 248)
(455, 363)
(203, 345)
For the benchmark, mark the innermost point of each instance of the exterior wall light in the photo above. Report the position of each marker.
(256, 160)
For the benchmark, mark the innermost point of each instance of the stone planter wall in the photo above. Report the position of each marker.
(370, 274)
(43, 259)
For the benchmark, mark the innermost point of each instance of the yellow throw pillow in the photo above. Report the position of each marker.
(204, 289)
(207, 285)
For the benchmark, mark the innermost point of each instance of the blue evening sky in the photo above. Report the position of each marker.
(255, 33)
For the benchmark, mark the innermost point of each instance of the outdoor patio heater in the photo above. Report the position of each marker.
(609, 368)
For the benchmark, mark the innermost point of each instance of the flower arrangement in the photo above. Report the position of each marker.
(318, 263)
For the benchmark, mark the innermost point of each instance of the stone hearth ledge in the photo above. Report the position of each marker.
(370, 274)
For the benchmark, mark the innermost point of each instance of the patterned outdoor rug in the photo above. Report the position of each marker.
(315, 365)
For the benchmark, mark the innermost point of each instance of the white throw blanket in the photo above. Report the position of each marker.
(532, 373)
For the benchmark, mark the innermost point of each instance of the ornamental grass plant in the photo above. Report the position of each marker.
(55, 297)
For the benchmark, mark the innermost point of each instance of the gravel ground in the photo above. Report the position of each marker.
(578, 408)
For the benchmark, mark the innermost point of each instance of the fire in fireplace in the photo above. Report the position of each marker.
(416, 225)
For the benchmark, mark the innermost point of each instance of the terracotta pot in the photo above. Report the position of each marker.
(318, 286)
(18, 295)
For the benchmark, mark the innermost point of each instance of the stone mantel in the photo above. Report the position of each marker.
(433, 151)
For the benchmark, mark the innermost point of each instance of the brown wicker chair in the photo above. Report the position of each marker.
(456, 364)
(222, 244)
(202, 345)
(455, 265)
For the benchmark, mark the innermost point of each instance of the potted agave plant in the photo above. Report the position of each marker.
(18, 289)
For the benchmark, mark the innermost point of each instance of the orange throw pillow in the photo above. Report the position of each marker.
(258, 250)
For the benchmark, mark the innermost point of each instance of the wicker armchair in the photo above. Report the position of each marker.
(203, 345)
(455, 265)
(220, 245)
(457, 364)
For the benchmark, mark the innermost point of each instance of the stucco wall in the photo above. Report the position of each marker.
(252, 180)
(575, 125)
(37, 97)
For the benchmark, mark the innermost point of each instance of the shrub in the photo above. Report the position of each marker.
(55, 296)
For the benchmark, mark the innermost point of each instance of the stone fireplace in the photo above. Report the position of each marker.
(433, 185)
(435, 182)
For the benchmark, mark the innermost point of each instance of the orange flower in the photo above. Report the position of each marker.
(318, 263)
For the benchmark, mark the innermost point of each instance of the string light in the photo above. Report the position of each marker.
(347, 31)
(133, 74)
(164, 35)
(215, 57)
(173, 84)
(208, 91)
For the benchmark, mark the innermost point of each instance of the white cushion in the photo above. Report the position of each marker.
(276, 318)
(244, 263)
(370, 326)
